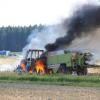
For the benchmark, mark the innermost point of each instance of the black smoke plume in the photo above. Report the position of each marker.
(83, 21)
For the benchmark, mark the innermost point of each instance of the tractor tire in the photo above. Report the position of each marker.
(85, 71)
(82, 71)
(62, 68)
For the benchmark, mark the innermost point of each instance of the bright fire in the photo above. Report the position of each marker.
(40, 67)
(23, 66)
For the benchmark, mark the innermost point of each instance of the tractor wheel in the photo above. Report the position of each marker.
(82, 71)
(62, 68)
(85, 71)
(79, 70)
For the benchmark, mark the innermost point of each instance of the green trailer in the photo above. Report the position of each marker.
(67, 62)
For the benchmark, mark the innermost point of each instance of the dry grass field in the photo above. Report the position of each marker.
(7, 60)
(95, 70)
(20, 91)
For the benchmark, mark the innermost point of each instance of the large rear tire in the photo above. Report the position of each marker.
(62, 68)
(82, 71)
(85, 71)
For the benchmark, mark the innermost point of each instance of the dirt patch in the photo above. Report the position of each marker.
(95, 70)
(8, 63)
(8, 60)
(21, 91)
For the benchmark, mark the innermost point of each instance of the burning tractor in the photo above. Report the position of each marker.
(62, 61)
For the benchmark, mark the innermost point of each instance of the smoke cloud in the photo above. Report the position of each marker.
(39, 38)
(82, 24)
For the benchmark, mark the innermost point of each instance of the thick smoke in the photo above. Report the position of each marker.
(82, 23)
(39, 38)
(90, 43)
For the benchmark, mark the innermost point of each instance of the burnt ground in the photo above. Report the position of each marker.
(21, 91)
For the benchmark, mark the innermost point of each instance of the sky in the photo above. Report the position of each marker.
(31, 12)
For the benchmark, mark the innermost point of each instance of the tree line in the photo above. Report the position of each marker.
(14, 38)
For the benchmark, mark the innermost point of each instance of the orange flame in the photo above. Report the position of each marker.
(40, 67)
(23, 66)
(30, 70)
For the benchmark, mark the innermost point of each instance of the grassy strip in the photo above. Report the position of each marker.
(57, 79)
(2, 56)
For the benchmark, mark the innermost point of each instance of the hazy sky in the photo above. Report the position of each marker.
(30, 12)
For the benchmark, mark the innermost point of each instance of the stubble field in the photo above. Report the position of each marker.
(13, 91)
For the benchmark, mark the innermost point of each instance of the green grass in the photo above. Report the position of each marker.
(55, 79)
(3, 56)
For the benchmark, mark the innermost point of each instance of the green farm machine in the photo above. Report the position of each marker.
(61, 61)
(68, 62)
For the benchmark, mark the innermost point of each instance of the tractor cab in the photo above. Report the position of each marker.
(32, 55)
(28, 64)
